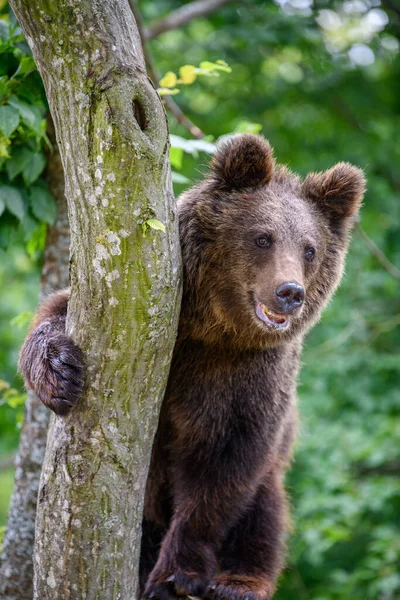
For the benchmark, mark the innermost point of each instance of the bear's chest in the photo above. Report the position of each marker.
(212, 394)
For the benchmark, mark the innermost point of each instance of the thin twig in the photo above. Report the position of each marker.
(377, 252)
(170, 103)
(182, 119)
(384, 327)
(183, 15)
(392, 467)
(333, 343)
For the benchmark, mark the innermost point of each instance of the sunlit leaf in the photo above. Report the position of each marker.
(156, 224)
(169, 80)
(24, 318)
(176, 156)
(167, 92)
(248, 127)
(37, 240)
(187, 74)
(218, 66)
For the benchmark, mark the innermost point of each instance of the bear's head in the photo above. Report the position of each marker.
(263, 250)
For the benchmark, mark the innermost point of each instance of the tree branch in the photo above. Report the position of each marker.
(183, 15)
(182, 119)
(170, 103)
(391, 467)
(377, 252)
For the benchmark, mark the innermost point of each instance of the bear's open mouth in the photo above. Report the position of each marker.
(271, 318)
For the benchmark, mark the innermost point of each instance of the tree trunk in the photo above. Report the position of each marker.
(113, 139)
(16, 570)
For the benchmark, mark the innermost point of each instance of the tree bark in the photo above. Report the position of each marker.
(113, 139)
(16, 570)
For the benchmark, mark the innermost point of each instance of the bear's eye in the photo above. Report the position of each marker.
(264, 241)
(310, 253)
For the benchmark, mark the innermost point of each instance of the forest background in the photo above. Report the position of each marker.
(321, 80)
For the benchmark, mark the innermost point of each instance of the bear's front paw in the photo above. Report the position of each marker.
(53, 369)
(228, 586)
(177, 585)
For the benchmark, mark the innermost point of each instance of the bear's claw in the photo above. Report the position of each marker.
(177, 585)
(53, 369)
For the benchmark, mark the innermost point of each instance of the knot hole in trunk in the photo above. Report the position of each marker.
(139, 114)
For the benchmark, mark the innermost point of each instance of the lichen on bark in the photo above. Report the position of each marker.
(113, 138)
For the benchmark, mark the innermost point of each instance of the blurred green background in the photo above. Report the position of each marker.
(321, 80)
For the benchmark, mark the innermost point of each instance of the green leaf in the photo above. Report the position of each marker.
(176, 156)
(37, 241)
(43, 204)
(13, 200)
(24, 109)
(155, 224)
(247, 127)
(20, 159)
(34, 168)
(9, 119)
(30, 114)
(15, 398)
(2, 206)
(167, 92)
(29, 225)
(6, 234)
(220, 65)
(26, 65)
(4, 31)
(5, 86)
(4, 144)
(4, 385)
(24, 318)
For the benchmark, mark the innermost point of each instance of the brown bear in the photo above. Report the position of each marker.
(263, 251)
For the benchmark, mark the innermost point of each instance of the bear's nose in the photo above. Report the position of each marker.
(290, 296)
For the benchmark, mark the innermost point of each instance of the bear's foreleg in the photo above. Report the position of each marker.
(51, 363)
(206, 507)
(252, 555)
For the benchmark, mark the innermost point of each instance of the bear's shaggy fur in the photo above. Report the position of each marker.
(263, 252)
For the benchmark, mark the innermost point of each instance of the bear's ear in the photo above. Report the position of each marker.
(243, 161)
(339, 190)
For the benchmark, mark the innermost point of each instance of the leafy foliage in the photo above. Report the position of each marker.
(25, 201)
(189, 73)
(12, 397)
(19, 281)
